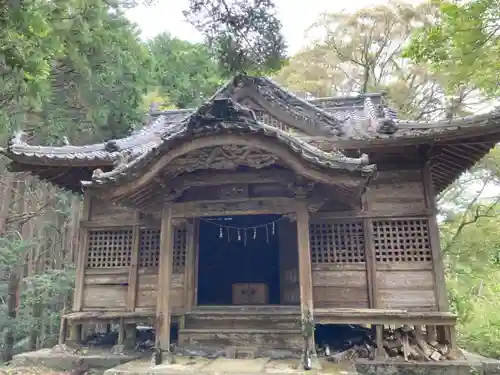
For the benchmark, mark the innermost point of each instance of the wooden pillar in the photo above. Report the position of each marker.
(75, 333)
(133, 268)
(437, 258)
(371, 265)
(121, 332)
(431, 334)
(196, 252)
(82, 255)
(164, 280)
(305, 272)
(130, 335)
(379, 341)
(63, 331)
(190, 265)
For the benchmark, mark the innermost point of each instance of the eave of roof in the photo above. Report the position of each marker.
(206, 121)
(354, 122)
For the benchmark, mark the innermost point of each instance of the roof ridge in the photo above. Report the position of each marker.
(300, 100)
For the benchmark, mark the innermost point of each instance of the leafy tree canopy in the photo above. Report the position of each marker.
(186, 73)
(245, 34)
(464, 42)
(361, 52)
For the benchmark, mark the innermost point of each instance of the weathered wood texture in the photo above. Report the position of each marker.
(338, 263)
(399, 274)
(407, 286)
(112, 260)
(108, 289)
(396, 192)
(102, 213)
(259, 326)
(289, 263)
(147, 291)
(340, 285)
(263, 338)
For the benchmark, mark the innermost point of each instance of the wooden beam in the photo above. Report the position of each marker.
(159, 191)
(437, 259)
(305, 272)
(294, 161)
(369, 214)
(190, 266)
(196, 259)
(371, 266)
(279, 114)
(82, 254)
(215, 178)
(249, 206)
(163, 313)
(133, 268)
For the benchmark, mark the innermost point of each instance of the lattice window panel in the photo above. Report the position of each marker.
(401, 240)
(336, 242)
(180, 249)
(109, 248)
(149, 248)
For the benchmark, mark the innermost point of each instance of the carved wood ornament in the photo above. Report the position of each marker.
(228, 157)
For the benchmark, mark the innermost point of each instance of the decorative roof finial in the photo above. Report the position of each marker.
(111, 146)
(66, 141)
(154, 107)
(19, 138)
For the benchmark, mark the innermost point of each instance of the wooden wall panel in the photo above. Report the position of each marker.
(389, 193)
(289, 263)
(112, 297)
(104, 213)
(407, 286)
(340, 285)
(147, 290)
(105, 288)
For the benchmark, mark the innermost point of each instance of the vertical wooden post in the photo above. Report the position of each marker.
(164, 280)
(190, 265)
(82, 254)
(379, 341)
(121, 332)
(305, 272)
(133, 268)
(437, 258)
(371, 266)
(196, 259)
(75, 333)
(431, 334)
(63, 330)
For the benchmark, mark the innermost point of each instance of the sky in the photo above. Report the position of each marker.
(296, 16)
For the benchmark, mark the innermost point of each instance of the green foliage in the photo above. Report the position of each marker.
(361, 52)
(470, 215)
(185, 73)
(244, 34)
(464, 42)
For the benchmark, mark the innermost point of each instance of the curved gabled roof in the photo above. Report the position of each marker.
(350, 123)
(223, 116)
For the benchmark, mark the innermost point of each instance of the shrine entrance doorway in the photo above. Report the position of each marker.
(238, 260)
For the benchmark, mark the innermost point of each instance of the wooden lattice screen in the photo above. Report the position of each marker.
(337, 242)
(401, 240)
(149, 248)
(109, 248)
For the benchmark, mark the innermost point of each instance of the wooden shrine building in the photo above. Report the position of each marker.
(259, 211)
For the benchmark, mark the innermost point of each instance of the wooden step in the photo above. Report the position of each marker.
(195, 321)
(287, 339)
